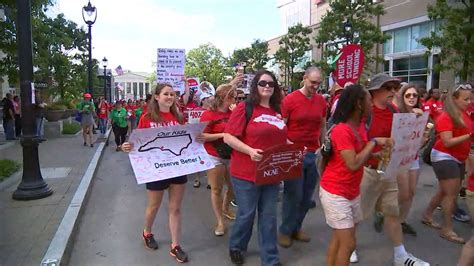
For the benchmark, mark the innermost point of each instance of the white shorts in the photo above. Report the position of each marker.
(219, 161)
(340, 212)
(415, 165)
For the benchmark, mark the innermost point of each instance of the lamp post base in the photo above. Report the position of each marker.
(38, 190)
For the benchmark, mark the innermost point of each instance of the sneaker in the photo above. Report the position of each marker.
(197, 183)
(208, 187)
(85, 144)
(460, 215)
(236, 257)
(354, 257)
(150, 241)
(92, 145)
(118, 149)
(378, 222)
(179, 254)
(233, 203)
(409, 260)
(284, 241)
(462, 193)
(301, 236)
(408, 229)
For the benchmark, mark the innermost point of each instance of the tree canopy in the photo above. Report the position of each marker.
(207, 63)
(254, 57)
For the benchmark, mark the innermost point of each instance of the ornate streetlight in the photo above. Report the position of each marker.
(105, 62)
(89, 14)
(348, 31)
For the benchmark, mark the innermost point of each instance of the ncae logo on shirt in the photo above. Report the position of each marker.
(270, 119)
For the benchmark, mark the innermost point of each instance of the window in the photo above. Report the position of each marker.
(418, 32)
(408, 39)
(411, 69)
(387, 46)
(400, 40)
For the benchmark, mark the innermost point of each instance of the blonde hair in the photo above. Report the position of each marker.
(451, 108)
(153, 109)
(222, 93)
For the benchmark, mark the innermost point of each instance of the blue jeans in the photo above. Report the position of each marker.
(103, 125)
(251, 198)
(39, 127)
(9, 127)
(298, 195)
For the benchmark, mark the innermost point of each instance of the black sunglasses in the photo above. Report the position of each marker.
(264, 83)
(240, 98)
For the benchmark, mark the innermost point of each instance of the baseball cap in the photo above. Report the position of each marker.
(87, 95)
(377, 81)
(204, 96)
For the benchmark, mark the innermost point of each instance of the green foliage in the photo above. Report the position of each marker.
(255, 57)
(7, 168)
(59, 50)
(56, 106)
(360, 14)
(207, 63)
(293, 47)
(71, 128)
(454, 37)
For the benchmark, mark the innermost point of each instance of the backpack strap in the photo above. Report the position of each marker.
(248, 111)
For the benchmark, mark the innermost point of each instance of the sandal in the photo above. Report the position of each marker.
(431, 224)
(453, 237)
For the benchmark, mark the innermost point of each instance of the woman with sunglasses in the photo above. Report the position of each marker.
(409, 102)
(451, 149)
(248, 140)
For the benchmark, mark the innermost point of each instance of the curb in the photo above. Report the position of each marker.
(56, 254)
(7, 145)
(11, 180)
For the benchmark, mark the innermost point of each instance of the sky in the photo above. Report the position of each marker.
(128, 32)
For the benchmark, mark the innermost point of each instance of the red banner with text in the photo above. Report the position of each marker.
(350, 64)
(279, 163)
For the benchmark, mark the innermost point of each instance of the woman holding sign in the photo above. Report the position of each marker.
(340, 183)
(161, 112)
(219, 152)
(255, 125)
(451, 149)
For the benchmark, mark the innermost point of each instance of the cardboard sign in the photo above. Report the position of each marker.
(350, 64)
(279, 163)
(167, 152)
(170, 67)
(193, 84)
(194, 115)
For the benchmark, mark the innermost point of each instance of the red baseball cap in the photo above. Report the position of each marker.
(87, 95)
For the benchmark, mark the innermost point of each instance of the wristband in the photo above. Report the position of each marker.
(374, 141)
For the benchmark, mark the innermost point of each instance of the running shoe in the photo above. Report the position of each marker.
(408, 229)
(409, 260)
(150, 241)
(354, 257)
(378, 222)
(462, 193)
(197, 183)
(236, 257)
(208, 187)
(460, 215)
(233, 203)
(179, 254)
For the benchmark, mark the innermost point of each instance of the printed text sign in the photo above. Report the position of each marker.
(167, 152)
(279, 163)
(350, 65)
(170, 67)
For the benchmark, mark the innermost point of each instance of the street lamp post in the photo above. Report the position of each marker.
(348, 31)
(32, 185)
(89, 14)
(104, 64)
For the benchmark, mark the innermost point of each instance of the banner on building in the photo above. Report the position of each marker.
(350, 64)
(167, 152)
(407, 134)
(279, 163)
(170, 67)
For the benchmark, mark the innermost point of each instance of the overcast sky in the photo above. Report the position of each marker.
(128, 32)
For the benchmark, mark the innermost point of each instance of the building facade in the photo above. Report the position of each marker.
(406, 22)
(132, 85)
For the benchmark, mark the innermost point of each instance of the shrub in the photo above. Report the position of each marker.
(71, 128)
(7, 168)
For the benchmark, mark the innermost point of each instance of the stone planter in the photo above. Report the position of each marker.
(54, 115)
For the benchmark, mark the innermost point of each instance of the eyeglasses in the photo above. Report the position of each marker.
(240, 98)
(463, 87)
(411, 95)
(444, 92)
(315, 82)
(264, 83)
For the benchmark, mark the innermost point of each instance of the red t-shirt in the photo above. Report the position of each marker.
(104, 111)
(444, 123)
(304, 118)
(337, 178)
(168, 120)
(434, 107)
(217, 124)
(470, 183)
(130, 110)
(265, 129)
(380, 126)
(470, 113)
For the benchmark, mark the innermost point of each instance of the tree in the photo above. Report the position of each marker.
(254, 57)
(207, 63)
(454, 37)
(359, 15)
(293, 47)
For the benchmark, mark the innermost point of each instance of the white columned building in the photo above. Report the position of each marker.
(132, 85)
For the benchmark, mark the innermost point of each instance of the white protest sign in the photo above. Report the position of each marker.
(170, 67)
(407, 134)
(194, 115)
(167, 152)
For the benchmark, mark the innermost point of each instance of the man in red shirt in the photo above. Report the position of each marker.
(305, 113)
(380, 192)
(434, 105)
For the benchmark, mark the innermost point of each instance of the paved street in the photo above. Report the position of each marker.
(110, 228)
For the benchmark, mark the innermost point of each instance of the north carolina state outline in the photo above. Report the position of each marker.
(181, 142)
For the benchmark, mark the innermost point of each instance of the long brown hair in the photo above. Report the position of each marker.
(275, 99)
(453, 111)
(153, 108)
(401, 102)
(222, 93)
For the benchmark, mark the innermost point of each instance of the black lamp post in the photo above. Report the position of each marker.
(348, 31)
(89, 14)
(32, 185)
(105, 62)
